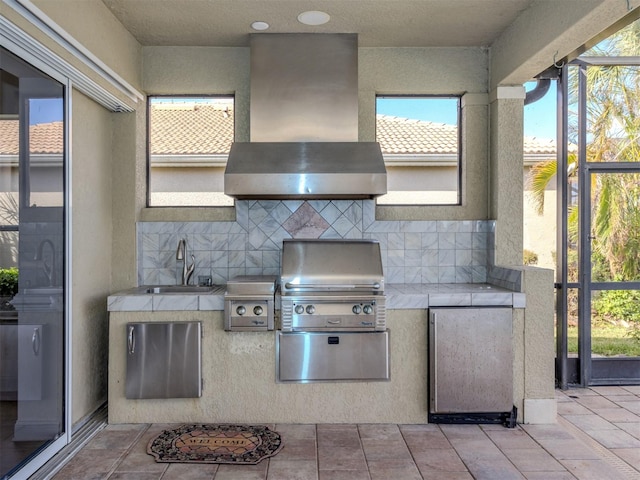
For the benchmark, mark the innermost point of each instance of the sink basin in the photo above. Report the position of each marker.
(177, 289)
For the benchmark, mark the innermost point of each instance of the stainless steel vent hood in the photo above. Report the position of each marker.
(304, 123)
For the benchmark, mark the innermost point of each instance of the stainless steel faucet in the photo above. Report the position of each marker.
(48, 269)
(181, 255)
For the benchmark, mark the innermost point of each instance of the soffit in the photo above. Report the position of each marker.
(378, 23)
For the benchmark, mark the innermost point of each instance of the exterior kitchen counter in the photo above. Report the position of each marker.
(411, 296)
(139, 300)
(399, 297)
(239, 368)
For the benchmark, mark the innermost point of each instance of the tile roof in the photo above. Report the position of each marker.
(405, 136)
(399, 135)
(43, 137)
(185, 129)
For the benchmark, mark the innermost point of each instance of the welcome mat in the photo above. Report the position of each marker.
(211, 443)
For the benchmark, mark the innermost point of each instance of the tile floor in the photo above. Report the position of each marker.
(597, 437)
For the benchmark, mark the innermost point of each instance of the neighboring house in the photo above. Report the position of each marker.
(45, 162)
(191, 141)
(45, 146)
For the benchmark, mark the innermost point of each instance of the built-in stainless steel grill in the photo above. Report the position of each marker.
(333, 312)
(329, 285)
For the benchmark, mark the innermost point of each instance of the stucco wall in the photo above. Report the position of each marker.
(506, 183)
(201, 71)
(550, 30)
(458, 71)
(91, 23)
(91, 252)
(239, 375)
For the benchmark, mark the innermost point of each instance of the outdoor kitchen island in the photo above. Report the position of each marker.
(239, 368)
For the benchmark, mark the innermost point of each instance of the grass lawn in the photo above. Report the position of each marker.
(607, 340)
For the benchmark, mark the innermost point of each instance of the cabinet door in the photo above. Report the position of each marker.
(30, 362)
(163, 360)
(470, 360)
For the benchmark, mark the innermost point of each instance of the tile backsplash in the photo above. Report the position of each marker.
(412, 251)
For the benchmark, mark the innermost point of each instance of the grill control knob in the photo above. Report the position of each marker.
(299, 309)
(368, 309)
(311, 309)
(356, 309)
(257, 310)
(241, 310)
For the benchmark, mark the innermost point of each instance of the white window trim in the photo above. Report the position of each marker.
(27, 47)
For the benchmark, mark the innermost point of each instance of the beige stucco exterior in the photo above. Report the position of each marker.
(240, 382)
(108, 161)
(91, 249)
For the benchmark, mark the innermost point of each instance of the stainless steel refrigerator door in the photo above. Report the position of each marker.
(330, 356)
(163, 360)
(470, 360)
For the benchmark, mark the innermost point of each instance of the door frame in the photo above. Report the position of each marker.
(35, 462)
(584, 370)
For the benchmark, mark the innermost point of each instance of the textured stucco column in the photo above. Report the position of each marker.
(539, 347)
(129, 190)
(505, 172)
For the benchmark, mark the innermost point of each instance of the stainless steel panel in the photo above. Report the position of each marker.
(249, 303)
(252, 285)
(324, 265)
(254, 314)
(333, 312)
(304, 123)
(305, 170)
(470, 360)
(304, 87)
(163, 360)
(310, 357)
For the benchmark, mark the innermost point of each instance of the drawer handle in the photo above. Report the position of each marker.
(131, 341)
(334, 322)
(35, 341)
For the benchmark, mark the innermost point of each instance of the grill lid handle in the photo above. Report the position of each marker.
(375, 285)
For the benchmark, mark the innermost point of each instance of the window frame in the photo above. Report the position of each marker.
(459, 167)
(184, 96)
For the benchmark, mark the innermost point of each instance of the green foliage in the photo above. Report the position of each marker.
(529, 257)
(634, 332)
(617, 305)
(8, 281)
(606, 340)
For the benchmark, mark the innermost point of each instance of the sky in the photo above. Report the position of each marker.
(539, 117)
(45, 110)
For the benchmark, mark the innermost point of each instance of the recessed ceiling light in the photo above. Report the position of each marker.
(260, 26)
(313, 17)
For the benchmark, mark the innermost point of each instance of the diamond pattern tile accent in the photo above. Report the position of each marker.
(306, 222)
(412, 251)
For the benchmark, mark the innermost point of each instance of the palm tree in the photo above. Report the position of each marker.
(613, 133)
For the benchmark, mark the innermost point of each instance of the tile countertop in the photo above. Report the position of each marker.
(399, 296)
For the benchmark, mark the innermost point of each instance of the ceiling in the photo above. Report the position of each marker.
(378, 23)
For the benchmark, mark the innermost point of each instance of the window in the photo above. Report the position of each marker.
(420, 141)
(189, 142)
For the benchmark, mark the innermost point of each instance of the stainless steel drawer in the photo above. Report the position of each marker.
(163, 360)
(332, 356)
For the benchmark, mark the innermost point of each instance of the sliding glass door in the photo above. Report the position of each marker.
(32, 262)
